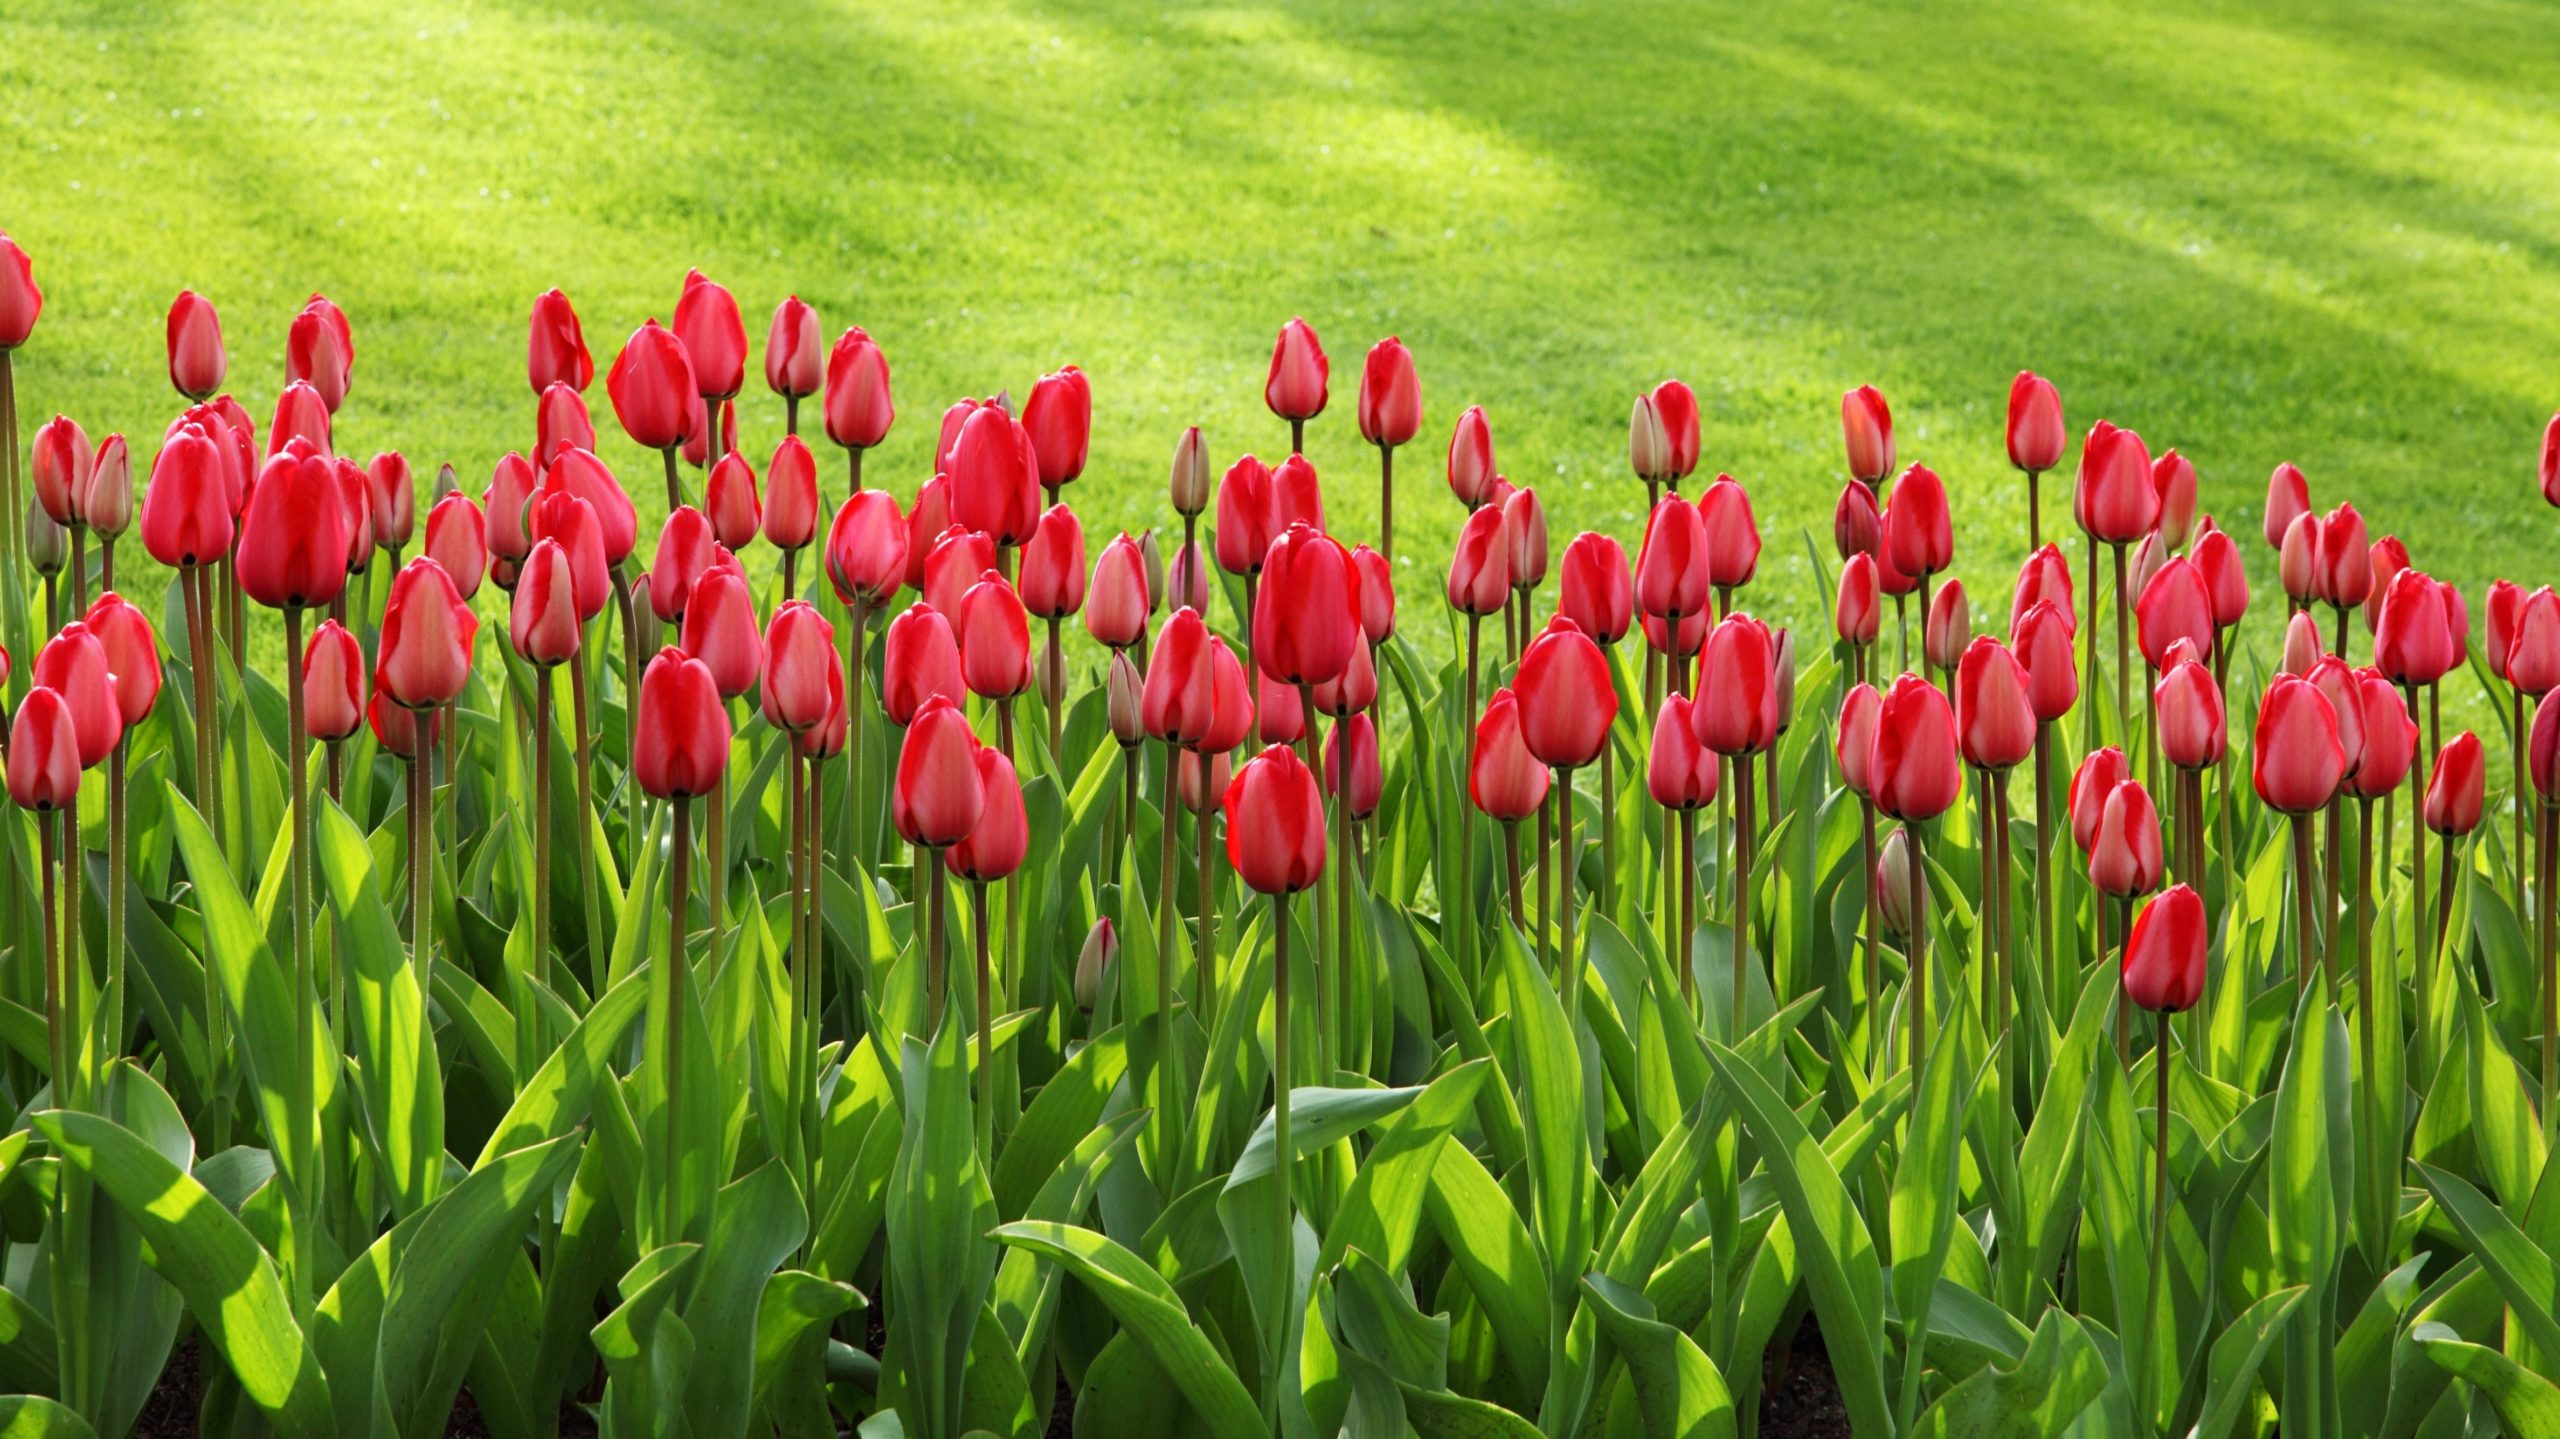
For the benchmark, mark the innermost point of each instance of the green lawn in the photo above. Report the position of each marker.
(2312, 232)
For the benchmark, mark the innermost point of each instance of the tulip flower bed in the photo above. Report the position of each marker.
(789, 980)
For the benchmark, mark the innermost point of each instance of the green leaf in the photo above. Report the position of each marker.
(2528, 1404)
(2035, 1398)
(1677, 1386)
(1560, 1161)
(1493, 1251)
(1384, 1204)
(2237, 1357)
(396, 1074)
(1147, 1307)
(30, 1416)
(2525, 1276)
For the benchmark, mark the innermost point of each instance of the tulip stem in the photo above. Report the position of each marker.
(1056, 665)
(1877, 1018)
(631, 837)
(115, 898)
(1387, 503)
(1343, 874)
(1919, 940)
(675, 491)
(1609, 805)
(2124, 671)
(2046, 968)
(853, 470)
(1741, 890)
(2305, 881)
(1565, 960)
(2546, 827)
(56, 989)
(192, 584)
(540, 964)
(1457, 910)
(679, 890)
(937, 980)
(1284, 1163)
(1511, 867)
(305, 1206)
(2418, 845)
(1546, 872)
(1167, 1097)
(986, 1046)
(855, 836)
(9, 469)
(1688, 907)
(2517, 732)
(2369, 1092)
(598, 962)
(1204, 963)
(2035, 513)
(2000, 867)
(1328, 952)
(2089, 632)
(2158, 1278)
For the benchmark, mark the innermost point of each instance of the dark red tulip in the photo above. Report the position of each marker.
(1471, 466)
(1919, 537)
(720, 630)
(1567, 701)
(570, 521)
(2193, 727)
(1866, 432)
(1059, 417)
(2390, 739)
(1736, 709)
(2298, 761)
(2533, 654)
(995, 846)
(953, 563)
(1117, 605)
(1948, 626)
(1676, 406)
(2415, 643)
(2113, 498)
(21, 301)
(294, 538)
(2454, 788)
(1245, 526)
(555, 348)
(1857, 525)
(795, 358)
(133, 655)
(1297, 498)
(543, 622)
(44, 743)
(1295, 389)
(58, 464)
(424, 658)
(2043, 643)
(458, 539)
(799, 655)
(859, 407)
(2288, 498)
(2036, 435)
(2173, 481)
(653, 388)
(1504, 779)
(1595, 591)
(74, 665)
(1275, 823)
(2164, 956)
(1180, 698)
(332, 683)
(1680, 773)
(2126, 858)
(919, 661)
(1377, 594)
(995, 639)
(867, 549)
(2096, 778)
(730, 503)
(186, 519)
(1858, 612)
(681, 744)
(2217, 562)
(1390, 395)
(685, 547)
(1995, 723)
(1278, 717)
(196, 357)
(1308, 620)
(2346, 566)
(1352, 691)
(1733, 536)
(1367, 785)
(320, 352)
(401, 731)
(1673, 575)
(1913, 769)
(995, 481)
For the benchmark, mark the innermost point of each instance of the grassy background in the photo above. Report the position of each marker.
(2307, 231)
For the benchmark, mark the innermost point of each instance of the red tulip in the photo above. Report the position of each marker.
(1648, 448)
(1736, 710)
(20, 300)
(715, 338)
(2114, 499)
(1378, 593)
(1295, 389)
(681, 743)
(685, 547)
(196, 357)
(1053, 572)
(1471, 467)
(44, 746)
(919, 661)
(1857, 526)
(2415, 643)
(105, 502)
(332, 683)
(1245, 527)
(1918, 535)
(2097, 777)
(556, 349)
(543, 623)
(2345, 574)
(1504, 779)
(186, 520)
(1117, 605)
(1480, 566)
(2298, 761)
(2299, 563)
(2046, 575)
(2454, 789)
(355, 499)
(826, 739)
(2457, 624)
(995, 639)
(1187, 583)
(59, 464)
(720, 630)
(2336, 683)
(2288, 498)
(1296, 497)
(947, 441)
(2533, 653)
(1913, 768)
(238, 437)
(1595, 592)
(1308, 621)
(1238, 708)
(2217, 562)
(791, 496)
(2164, 956)
(995, 481)
(1524, 529)
(2173, 481)
(425, 653)
(581, 473)
(1995, 723)
(2302, 645)
(1278, 718)
(952, 563)
(2174, 606)
(561, 423)
(1673, 576)
(1059, 416)
(294, 538)
(1275, 823)
(2388, 557)
(1352, 691)
(1567, 702)
(799, 654)
(867, 549)
(508, 503)
(1680, 773)
(995, 846)
(320, 350)
(653, 387)
(2550, 454)
(2043, 643)
(859, 408)
(74, 665)
(1948, 626)
(1187, 485)
(2036, 434)
(2193, 732)
(2125, 859)
(1854, 746)
(1866, 432)
(2542, 750)
(2390, 739)
(1733, 537)
(729, 501)
(571, 522)
(794, 358)
(1676, 406)
(458, 539)
(1390, 395)
(1180, 698)
(1858, 612)
(1359, 737)
(133, 655)
(400, 731)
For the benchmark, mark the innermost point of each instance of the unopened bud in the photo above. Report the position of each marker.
(1190, 579)
(1124, 689)
(447, 483)
(1893, 884)
(1189, 485)
(107, 505)
(1053, 677)
(48, 544)
(1101, 949)
(1785, 671)
(1152, 560)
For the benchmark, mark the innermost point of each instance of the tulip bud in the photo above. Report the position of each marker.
(44, 746)
(1275, 823)
(1855, 745)
(392, 491)
(295, 536)
(543, 622)
(1093, 962)
(1736, 713)
(1390, 395)
(2454, 790)
(2415, 641)
(2298, 760)
(720, 630)
(1471, 469)
(401, 731)
(867, 549)
(2533, 655)
(1567, 702)
(2164, 956)
(1866, 432)
(791, 497)
(2042, 641)
(685, 547)
(996, 845)
(2126, 860)
(1892, 883)
(1295, 389)
(955, 561)
(799, 655)
(2302, 645)
(729, 501)
(995, 639)
(2036, 434)
(106, 502)
(196, 357)
(1053, 572)
(2288, 499)
(555, 348)
(332, 684)
(1676, 405)
(1948, 627)
(653, 387)
(2345, 574)
(794, 350)
(1504, 779)
(20, 300)
(1357, 735)
(508, 503)
(1377, 594)
(2174, 606)
(1245, 525)
(1480, 566)
(1188, 483)
(2148, 559)
(2045, 576)
(1524, 529)
(1733, 536)
(680, 744)
(2173, 480)
(186, 519)
(1918, 535)
(1308, 621)
(1595, 591)
(319, 352)
(2505, 605)
(74, 665)
(59, 466)
(1648, 449)
(2217, 560)
(1680, 773)
(1059, 417)
(1121, 696)
(2390, 739)
(427, 631)
(1995, 724)
(1673, 578)
(2114, 500)
(1857, 526)
(1858, 612)
(133, 655)
(859, 408)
